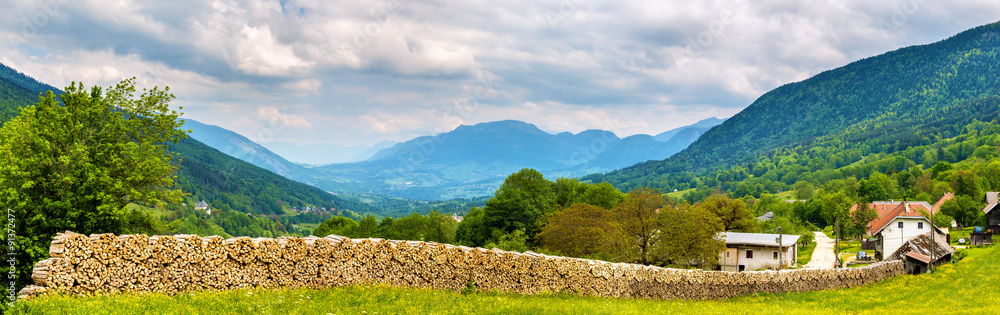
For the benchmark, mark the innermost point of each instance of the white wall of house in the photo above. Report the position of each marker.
(893, 236)
(763, 257)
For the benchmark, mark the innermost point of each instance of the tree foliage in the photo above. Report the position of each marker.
(580, 230)
(732, 213)
(690, 236)
(76, 167)
(638, 226)
(965, 210)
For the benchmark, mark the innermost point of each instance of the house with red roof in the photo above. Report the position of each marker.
(899, 221)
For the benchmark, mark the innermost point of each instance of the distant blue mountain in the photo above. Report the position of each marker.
(473, 160)
(699, 127)
(325, 153)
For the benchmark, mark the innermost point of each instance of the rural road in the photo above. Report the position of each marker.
(823, 257)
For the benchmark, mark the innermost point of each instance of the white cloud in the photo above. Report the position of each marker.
(279, 118)
(307, 85)
(376, 69)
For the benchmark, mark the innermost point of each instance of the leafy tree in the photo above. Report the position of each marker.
(966, 183)
(367, 227)
(568, 191)
(878, 186)
(804, 190)
(580, 230)
(336, 225)
(690, 236)
(965, 210)
(514, 241)
(638, 226)
(732, 213)
(836, 208)
(603, 195)
(76, 167)
(472, 231)
(523, 199)
(940, 167)
(859, 220)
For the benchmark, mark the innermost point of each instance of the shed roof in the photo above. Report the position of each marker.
(991, 201)
(759, 239)
(918, 256)
(923, 244)
(766, 217)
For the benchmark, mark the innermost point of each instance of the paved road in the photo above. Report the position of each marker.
(823, 257)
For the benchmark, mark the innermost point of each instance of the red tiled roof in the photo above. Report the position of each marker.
(887, 213)
(937, 205)
(919, 256)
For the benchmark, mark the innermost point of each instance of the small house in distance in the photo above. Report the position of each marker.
(752, 251)
(202, 205)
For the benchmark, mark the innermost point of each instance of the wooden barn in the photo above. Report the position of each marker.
(921, 251)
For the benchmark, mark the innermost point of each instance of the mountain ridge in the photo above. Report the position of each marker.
(895, 85)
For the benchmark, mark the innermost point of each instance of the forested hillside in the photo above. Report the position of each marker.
(878, 101)
(17, 90)
(229, 185)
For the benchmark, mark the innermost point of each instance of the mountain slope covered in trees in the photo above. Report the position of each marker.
(903, 88)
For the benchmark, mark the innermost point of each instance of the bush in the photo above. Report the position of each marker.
(959, 255)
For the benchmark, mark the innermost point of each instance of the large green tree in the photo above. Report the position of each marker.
(733, 213)
(965, 210)
(690, 236)
(638, 226)
(580, 230)
(74, 166)
(523, 199)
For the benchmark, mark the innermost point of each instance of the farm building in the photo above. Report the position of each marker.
(898, 222)
(920, 251)
(992, 211)
(752, 251)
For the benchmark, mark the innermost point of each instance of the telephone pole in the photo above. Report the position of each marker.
(836, 244)
(781, 254)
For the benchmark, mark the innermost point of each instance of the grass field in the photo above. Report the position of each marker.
(957, 234)
(805, 253)
(970, 287)
(678, 194)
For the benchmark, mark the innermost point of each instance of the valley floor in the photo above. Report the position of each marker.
(972, 286)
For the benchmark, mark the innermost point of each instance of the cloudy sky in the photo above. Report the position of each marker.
(361, 71)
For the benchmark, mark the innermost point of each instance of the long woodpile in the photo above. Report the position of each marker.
(105, 263)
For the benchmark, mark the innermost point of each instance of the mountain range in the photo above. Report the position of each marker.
(324, 153)
(881, 101)
(469, 161)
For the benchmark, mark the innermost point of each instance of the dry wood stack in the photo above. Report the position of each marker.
(171, 264)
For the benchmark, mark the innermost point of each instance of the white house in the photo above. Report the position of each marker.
(752, 251)
(896, 225)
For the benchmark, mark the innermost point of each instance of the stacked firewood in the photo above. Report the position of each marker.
(98, 263)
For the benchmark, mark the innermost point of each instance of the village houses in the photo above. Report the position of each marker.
(753, 251)
(896, 222)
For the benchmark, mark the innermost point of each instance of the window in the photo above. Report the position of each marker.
(920, 225)
(900, 224)
(775, 255)
(749, 253)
